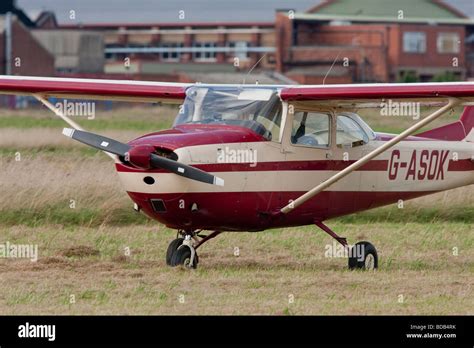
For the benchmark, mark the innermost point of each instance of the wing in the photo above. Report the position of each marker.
(371, 95)
(119, 90)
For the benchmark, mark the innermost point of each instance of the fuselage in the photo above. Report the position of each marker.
(262, 176)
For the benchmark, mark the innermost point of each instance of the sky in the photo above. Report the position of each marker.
(136, 11)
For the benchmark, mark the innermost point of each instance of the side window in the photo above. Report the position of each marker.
(349, 133)
(310, 129)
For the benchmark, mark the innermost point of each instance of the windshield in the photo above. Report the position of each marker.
(258, 109)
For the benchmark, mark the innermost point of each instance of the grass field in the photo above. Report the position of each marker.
(426, 249)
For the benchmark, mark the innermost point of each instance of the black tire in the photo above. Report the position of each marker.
(367, 260)
(182, 257)
(174, 245)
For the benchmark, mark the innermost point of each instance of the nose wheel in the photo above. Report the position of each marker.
(185, 256)
(182, 251)
(172, 248)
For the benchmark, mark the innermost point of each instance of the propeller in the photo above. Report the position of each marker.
(144, 160)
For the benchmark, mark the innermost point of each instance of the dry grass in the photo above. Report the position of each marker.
(42, 180)
(416, 257)
(145, 112)
(416, 262)
(38, 138)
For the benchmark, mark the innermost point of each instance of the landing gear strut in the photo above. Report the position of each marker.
(182, 250)
(362, 255)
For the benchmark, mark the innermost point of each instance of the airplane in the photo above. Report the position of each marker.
(248, 158)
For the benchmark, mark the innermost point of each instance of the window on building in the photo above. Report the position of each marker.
(448, 43)
(171, 53)
(310, 129)
(414, 42)
(204, 51)
(239, 49)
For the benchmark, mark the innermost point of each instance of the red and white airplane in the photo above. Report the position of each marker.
(254, 157)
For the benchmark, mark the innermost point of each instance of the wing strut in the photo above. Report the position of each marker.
(66, 119)
(359, 163)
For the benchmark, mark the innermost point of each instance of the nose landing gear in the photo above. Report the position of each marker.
(182, 250)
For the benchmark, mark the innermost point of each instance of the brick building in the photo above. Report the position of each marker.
(335, 41)
(28, 56)
(164, 48)
(373, 41)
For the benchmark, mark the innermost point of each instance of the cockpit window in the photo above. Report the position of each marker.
(311, 129)
(259, 109)
(349, 133)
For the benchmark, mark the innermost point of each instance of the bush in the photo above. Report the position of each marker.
(408, 77)
(446, 76)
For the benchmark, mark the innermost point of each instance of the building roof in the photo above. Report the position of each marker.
(164, 11)
(234, 77)
(380, 19)
(432, 9)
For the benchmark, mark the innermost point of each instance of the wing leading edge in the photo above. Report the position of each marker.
(119, 90)
(362, 93)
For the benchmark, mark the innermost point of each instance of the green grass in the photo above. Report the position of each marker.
(416, 260)
(59, 214)
(25, 122)
(81, 251)
(408, 214)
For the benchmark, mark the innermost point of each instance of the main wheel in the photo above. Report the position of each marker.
(182, 256)
(363, 255)
(174, 245)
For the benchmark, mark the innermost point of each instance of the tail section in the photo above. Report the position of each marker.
(456, 131)
(467, 119)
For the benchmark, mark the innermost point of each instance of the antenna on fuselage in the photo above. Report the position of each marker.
(253, 67)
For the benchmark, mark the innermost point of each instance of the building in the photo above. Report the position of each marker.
(27, 55)
(74, 51)
(373, 41)
(174, 49)
(334, 41)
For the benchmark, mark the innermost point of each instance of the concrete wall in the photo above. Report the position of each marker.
(74, 50)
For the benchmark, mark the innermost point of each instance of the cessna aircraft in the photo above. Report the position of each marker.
(255, 157)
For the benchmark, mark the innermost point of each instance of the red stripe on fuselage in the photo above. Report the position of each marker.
(376, 165)
(464, 165)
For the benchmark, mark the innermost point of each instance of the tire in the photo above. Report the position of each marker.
(182, 256)
(174, 245)
(366, 260)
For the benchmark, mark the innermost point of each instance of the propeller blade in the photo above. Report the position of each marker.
(113, 146)
(98, 141)
(185, 170)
